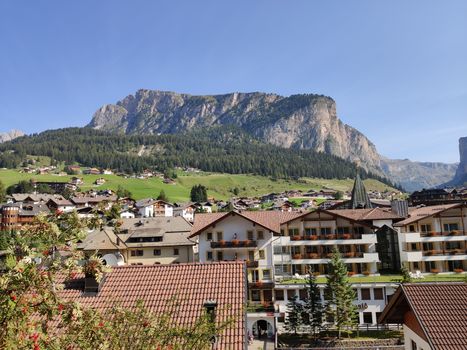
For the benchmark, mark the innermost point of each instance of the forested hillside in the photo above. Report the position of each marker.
(223, 150)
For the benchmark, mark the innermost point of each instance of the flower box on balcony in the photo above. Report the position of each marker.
(259, 284)
(331, 237)
(297, 256)
(458, 270)
(329, 255)
(350, 273)
(429, 252)
(366, 273)
(295, 238)
(434, 270)
(455, 251)
(346, 236)
(433, 234)
(316, 273)
(454, 233)
(235, 242)
(246, 243)
(312, 255)
(222, 243)
(349, 254)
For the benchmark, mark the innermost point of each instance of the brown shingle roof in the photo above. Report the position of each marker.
(270, 220)
(190, 284)
(424, 212)
(366, 214)
(440, 308)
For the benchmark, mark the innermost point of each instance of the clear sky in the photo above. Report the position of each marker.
(397, 69)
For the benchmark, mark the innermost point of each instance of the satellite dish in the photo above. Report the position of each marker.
(113, 259)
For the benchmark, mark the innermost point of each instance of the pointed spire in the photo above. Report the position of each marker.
(360, 198)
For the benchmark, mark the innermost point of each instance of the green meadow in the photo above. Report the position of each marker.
(220, 186)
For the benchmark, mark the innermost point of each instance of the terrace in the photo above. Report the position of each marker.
(432, 277)
(234, 244)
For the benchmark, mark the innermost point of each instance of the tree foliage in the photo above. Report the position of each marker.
(313, 306)
(294, 318)
(220, 149)
(198, 193)
(34, 316)
(340, 295)
(2, 192)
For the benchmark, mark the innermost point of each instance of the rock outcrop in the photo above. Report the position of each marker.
(298, 121)
(460, 178)
(10, 135)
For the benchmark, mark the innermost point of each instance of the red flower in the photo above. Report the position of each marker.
(34, 336)
(145, 323)
(37, 347)
(45, 252)
(60, 307)
(13, 297)
(101, 324)
(58, 212)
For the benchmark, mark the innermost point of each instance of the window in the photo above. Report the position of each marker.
(413, 345)
(157, 252)
(209, 256)
(176, 252)
(378, 293)
(291, 293)
(325, 230)
(282, 232)
(293, 232)
(137, 252)
(368, 317)
(219, 236)
(279, 293)
(412, 228)
(220, 256)
(260, 234)
(302, 294)
(451, 227)
(310, 232)
(425, 228)
(365, 293)
(266, 274)
(255, 295)
(261, 254)
(209, 236)
(342, 230)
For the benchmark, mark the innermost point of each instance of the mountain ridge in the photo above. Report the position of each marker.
(307, 121)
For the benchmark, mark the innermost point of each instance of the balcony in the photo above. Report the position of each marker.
(260, 307)
(261, 285)
(331, 239)
(234, 244)
(252, 263)
(415, 237)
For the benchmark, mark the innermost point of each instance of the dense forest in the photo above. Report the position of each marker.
(219, 149)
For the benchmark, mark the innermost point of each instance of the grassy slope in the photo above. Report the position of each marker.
(218, 184)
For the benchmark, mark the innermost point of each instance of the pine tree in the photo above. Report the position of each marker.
(340, 295)
(162, 196)
(406, 278)
(313, 306)
(294, 319)
(2, 192)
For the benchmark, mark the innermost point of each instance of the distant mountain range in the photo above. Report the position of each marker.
(306, 121)
(460, 178)
(10, 135)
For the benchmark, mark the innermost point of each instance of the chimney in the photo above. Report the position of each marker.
(400, 207)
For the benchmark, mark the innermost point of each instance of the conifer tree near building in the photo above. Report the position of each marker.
(340, 296)
(314, 308)
(294, 318)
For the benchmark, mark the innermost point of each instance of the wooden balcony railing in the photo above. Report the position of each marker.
(234, 244)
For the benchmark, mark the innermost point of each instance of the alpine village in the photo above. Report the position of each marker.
(192, 214)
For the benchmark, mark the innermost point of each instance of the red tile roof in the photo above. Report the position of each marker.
(440, 309)
(270, 220)
(190, 284)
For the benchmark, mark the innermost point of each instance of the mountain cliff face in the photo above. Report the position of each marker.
(413, 176)
(10, 135)
(299, 121)
(460, 178)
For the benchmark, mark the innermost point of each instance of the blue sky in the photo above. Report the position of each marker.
(397, 69)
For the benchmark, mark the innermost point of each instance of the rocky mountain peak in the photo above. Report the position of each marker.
(10, 135)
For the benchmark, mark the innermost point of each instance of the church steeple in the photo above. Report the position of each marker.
(360, 198)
